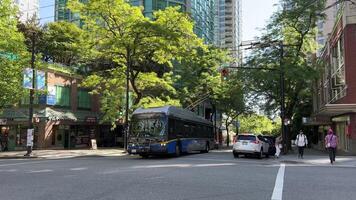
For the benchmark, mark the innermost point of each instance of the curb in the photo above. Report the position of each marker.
(18, 157)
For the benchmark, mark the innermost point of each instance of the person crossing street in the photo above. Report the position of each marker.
(301, 141)
(331, 142)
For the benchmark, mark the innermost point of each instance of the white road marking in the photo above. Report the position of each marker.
(162, 166)
(215, 165)
(40, 171)
(78, 169)
(25, 163)
(278, 187)
(8, 170)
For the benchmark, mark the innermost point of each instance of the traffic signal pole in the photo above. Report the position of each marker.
(30, 130)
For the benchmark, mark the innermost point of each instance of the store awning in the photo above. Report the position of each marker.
(22, 114)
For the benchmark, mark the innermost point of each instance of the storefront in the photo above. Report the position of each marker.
(13, 137)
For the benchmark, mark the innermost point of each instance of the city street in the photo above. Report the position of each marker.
(216, 175)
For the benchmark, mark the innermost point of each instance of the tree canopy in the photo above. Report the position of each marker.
(123, 37)
(288, 45)
(12, 55)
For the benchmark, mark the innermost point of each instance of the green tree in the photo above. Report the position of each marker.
(63, 42)
(197, 75)
(124, 38)
(294, 29)
(259, 124)
(230, 100)
(12, 55)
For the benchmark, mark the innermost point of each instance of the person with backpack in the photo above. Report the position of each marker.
(301, 141)
(331, 142)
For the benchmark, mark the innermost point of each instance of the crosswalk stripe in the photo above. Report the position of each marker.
(278, 187)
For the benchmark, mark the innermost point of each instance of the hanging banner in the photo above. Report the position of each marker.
(30, 137)
(40, 80)
(27, 78)
(51, 96)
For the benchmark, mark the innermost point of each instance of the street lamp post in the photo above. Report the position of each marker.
(282, 84)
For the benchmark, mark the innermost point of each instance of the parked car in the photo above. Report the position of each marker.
(271, 141)
(250, 144)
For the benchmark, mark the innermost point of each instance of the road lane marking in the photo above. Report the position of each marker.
(214, 165)
(8, 170)
(78, 169)
(278, 187)
(40, 171)
(25, 163)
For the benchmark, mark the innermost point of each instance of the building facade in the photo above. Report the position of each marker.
(334, 99)
(228, 26)
(28, 9)
(326, 25)
(66, 116)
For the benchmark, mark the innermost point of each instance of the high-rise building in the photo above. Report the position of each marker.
(228, 26)
(201, 11)
(62, 13)
(152, 5)
(203, 15)
(28, 9)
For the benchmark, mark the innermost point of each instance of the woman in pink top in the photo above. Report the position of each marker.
(331, 144)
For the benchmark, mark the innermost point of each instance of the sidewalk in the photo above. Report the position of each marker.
(59, 154)
(316, 157)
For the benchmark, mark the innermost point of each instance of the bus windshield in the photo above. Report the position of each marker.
(148, 127)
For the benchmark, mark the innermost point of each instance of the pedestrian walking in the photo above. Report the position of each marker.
(331, 142)
(278, 145)
(301, 141)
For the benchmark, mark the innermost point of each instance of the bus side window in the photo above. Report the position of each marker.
(186, 132)
(201, 131)
(179, 128)
(172, 130)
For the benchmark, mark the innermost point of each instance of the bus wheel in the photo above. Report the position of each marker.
(177, 150)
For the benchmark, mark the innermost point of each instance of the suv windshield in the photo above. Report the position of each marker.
(247, 137)
(149, 127)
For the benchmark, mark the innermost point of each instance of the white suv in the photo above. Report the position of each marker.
(250, 144)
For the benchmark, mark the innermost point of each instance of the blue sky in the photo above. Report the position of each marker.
(255, 14)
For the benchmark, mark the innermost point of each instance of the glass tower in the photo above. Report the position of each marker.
(201, 11)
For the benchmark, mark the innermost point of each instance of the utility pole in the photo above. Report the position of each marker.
(281, 84)
(282, 96)
(30, 130)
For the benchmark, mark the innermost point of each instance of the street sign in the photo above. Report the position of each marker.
(30, 137)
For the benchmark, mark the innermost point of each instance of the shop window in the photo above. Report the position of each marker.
(84, 99)
(62, 96)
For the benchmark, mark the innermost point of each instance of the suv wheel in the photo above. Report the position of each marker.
(236, 155)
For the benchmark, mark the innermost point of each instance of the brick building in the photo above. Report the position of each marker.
(65, 116)
(335, 89)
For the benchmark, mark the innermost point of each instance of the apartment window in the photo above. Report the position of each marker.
(62, 96)
(337, 79)
(84, 99)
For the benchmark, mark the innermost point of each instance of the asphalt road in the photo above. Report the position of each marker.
(216, 175)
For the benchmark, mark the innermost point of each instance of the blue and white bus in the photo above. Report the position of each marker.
(169, 130)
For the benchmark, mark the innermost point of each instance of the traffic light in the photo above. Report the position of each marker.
(224, 73)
